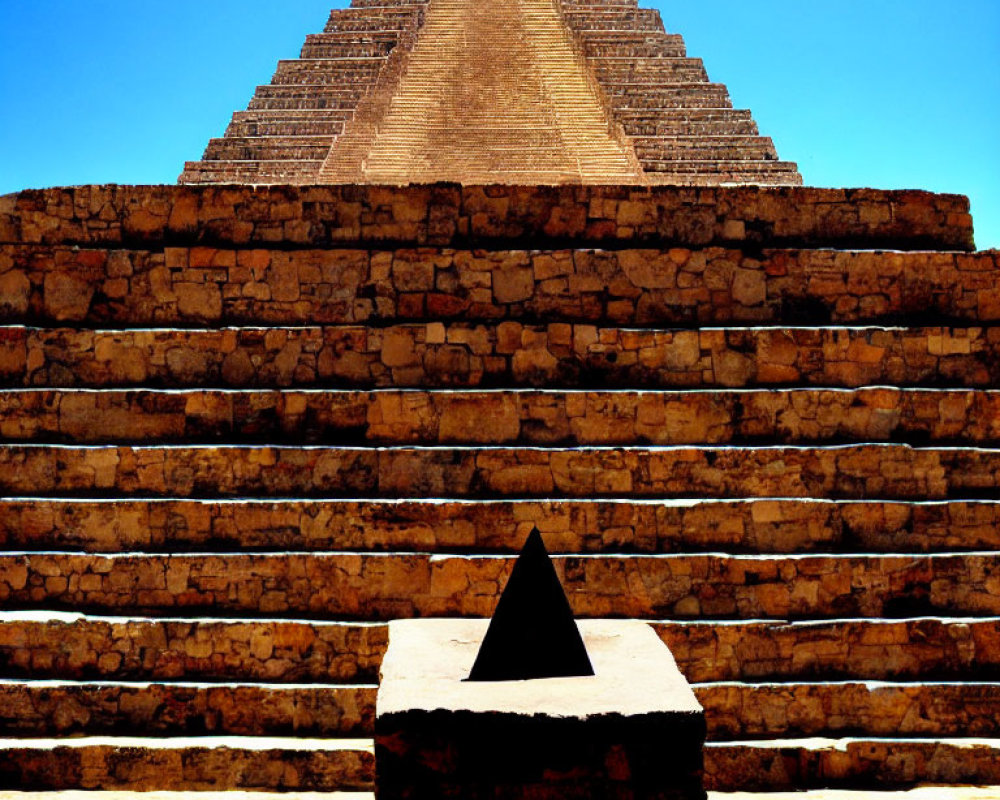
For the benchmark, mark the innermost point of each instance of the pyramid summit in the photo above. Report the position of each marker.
(522, 92)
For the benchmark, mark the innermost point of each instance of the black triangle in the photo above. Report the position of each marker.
(532, 633)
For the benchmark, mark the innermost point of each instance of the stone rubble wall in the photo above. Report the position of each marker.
(569, 526)
(881, 470)
(102, 765)
(277, 652)
(510, 354)
(626, 287)
(734, 711)
(529, 417)
(368, 586)
(242, 428)
(443, 214)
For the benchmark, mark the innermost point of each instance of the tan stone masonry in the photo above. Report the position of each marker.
(279, 652)
(639, 286)
(493, 91)
(243, 427)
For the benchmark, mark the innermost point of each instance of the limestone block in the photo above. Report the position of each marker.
(633, 730)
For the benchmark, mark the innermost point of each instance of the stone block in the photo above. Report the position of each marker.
(633, 730)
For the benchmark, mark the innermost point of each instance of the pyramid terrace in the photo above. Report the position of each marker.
(461, 271)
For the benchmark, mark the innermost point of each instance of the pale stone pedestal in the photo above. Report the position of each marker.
(633, 730)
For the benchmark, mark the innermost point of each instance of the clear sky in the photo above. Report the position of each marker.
(882, 93)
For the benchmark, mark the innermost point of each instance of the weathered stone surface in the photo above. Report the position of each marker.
(786, 765)
(315, 765)
(860, 471)
(734, 711)
(50, 709)
(517, 416)
(381, 587)
(89, 648)
(205, 764)
(740, 711)
(570, 526)
(626, 287)
(45, 646)
(765, 589)
(469, 356)
(926, 793)
(959, 649)
(439, 214)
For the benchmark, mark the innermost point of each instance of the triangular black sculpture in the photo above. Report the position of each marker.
(532, 633)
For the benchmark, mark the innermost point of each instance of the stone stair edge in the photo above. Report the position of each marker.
(377, 587)
(931, 793)
(919, 649)
(734, 709)
(807, 761)
(441, 213)
(507, 354)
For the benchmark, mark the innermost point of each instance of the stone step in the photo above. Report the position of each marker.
(655, 71)
(597, 4)
(389, 33)
(705, 147)
(733, 711)
(520, 416)
(693, 122)
(926, 793)
(732, 170)
(70, 794)
(382, 3)
(377, 586)
(230, 763)
(594, 216)
(305, 96)
(255, 172)
(248, 124)
(695, 94)
(878, 764)
(658, 125)
(623, 19)
(865, 472)
(634, 44)
(738, 711)
(578, 526)
(198, 764)
(510, 354)
(50, 709)
(626, 287)
(637, 45)
(355, 71)
(376, 45)
(375, 18)
(69, 646)
(268, 148)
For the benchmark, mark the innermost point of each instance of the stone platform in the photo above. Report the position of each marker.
(634, 729)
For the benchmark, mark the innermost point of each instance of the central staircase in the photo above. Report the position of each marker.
(244, 428)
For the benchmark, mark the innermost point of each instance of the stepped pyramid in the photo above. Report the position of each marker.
(245, 426)
(492, 91)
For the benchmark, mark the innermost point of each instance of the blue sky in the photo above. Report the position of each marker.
(882, 93)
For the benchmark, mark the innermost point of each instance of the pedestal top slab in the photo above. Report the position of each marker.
(428, 661)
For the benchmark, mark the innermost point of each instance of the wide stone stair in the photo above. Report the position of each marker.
(244, 428)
